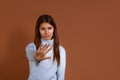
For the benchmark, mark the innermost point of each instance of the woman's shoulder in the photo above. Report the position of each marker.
(62, 50)
(30, 46)
(61, 47)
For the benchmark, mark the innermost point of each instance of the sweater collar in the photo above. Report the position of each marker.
(44, 41)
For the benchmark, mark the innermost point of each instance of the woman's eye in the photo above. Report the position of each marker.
(50, 28)
(42, 28)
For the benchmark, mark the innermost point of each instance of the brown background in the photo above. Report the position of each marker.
(88, 29)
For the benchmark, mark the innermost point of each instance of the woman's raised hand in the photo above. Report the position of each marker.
(42, 51)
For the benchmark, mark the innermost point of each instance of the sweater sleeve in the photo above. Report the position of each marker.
(30, 51)
(62, 66)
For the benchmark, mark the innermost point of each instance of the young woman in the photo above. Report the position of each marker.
(47, 59)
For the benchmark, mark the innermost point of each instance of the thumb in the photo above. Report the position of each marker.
(49, 57)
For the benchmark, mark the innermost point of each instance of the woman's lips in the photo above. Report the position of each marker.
(47, 36)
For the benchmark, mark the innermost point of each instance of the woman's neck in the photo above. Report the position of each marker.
(44, 41)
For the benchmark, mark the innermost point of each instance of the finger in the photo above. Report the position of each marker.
(39, 49)
(48, 50)
(41, 46)
(46, 58)
(38, 52)
(46, 47)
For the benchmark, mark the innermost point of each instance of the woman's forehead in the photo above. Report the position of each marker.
(46, 25)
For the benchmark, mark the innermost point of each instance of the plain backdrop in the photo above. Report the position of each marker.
(89, 30)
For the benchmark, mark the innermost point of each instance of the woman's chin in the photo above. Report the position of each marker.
(47, 38)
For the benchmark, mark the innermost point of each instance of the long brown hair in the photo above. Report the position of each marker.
(37, 39)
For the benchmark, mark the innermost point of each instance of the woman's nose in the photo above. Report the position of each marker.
(46, 31)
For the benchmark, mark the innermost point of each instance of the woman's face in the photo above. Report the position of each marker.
(46, 31)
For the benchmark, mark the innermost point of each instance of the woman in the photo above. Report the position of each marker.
(47, 59)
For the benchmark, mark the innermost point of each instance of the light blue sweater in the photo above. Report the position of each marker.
(46, 69)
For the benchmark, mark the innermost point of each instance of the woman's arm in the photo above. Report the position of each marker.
(62, 66)
(30, 52)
